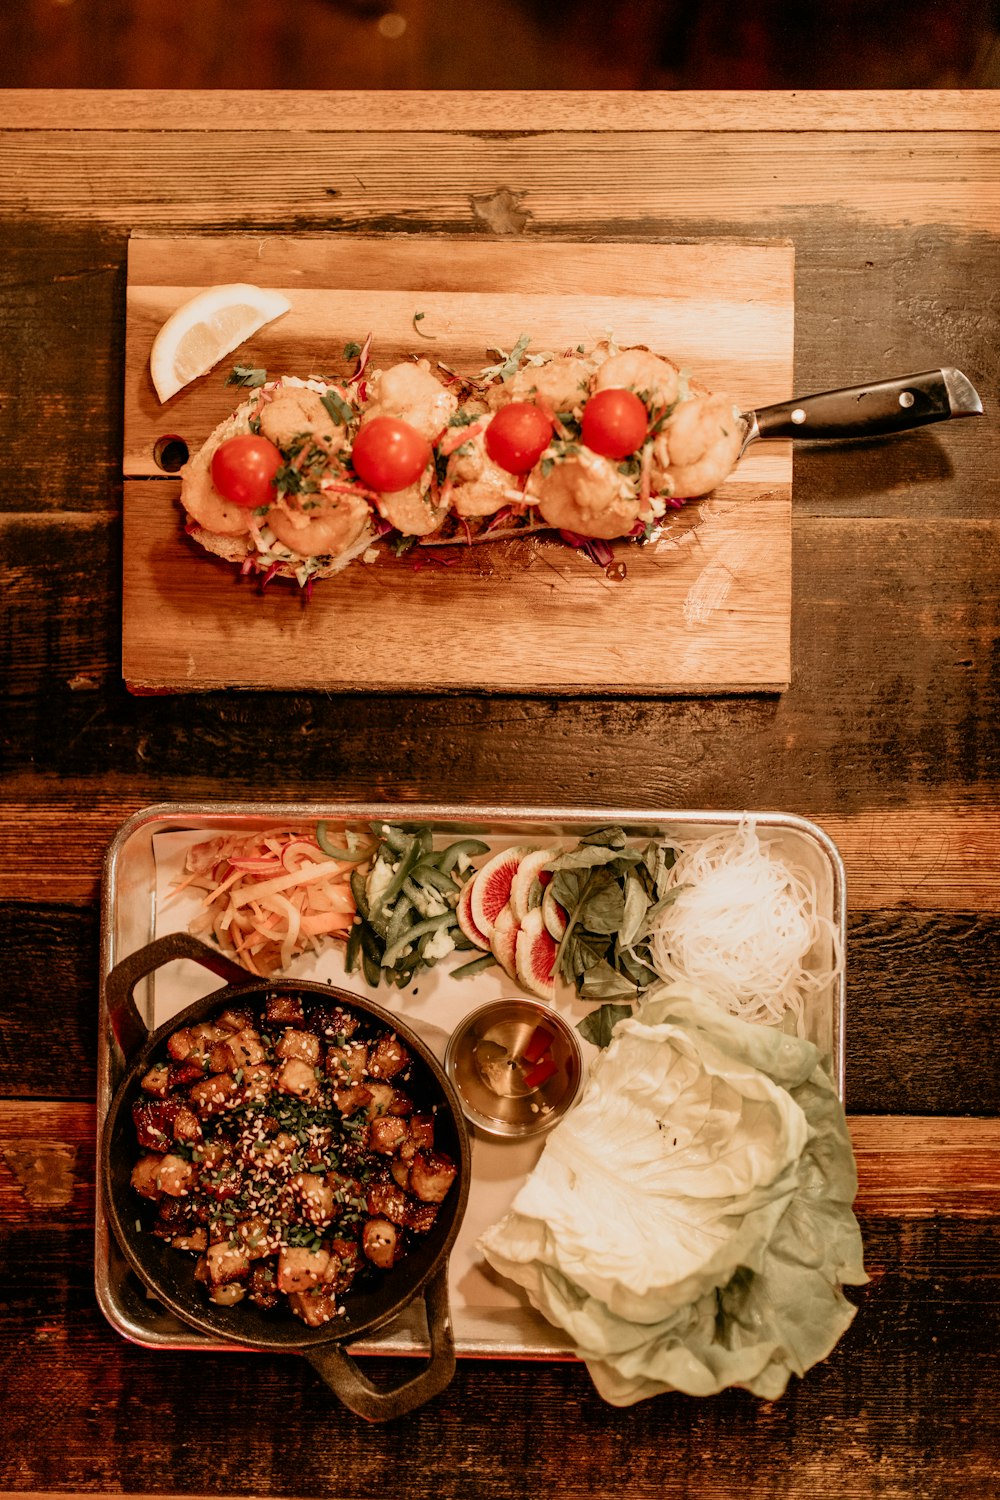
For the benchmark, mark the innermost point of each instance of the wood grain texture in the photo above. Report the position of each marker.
(350, 181)
(421, 110)
(929, 857)
(538, 616)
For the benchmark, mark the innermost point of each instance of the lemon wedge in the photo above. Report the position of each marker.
(207, 328)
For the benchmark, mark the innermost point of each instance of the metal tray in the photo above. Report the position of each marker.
(491, 1318)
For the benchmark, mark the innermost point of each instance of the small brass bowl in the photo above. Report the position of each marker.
(516, 1066)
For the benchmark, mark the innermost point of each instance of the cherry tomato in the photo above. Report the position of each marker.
(389, 454)
(518, 436)
(243, 467)
(614, 423)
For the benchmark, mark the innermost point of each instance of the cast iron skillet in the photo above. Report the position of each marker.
(168, 1273)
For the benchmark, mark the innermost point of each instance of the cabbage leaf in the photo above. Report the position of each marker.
(689, 1223)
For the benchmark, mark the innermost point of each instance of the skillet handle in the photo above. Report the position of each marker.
(344, 1377)
(127, 1024)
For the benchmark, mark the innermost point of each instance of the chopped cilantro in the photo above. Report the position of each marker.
(246, 375)
(338, 408)
(352, 350)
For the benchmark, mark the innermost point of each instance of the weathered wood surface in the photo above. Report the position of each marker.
(887, 736)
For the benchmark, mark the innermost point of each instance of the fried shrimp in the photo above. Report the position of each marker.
(297, 412)
(638, 370)
(203, 502)
(331, 524)
(411, 393)
(584, 494)
(699, 446)
(411, 511)
(479, 487)
(560, 384)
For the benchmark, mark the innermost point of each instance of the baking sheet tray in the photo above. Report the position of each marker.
(490, 1317)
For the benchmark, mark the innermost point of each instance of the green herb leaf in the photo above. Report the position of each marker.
(599, 1025)
(351, 350)
(338, 408)
(246, 375)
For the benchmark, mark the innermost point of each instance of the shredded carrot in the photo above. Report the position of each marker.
(269, 897)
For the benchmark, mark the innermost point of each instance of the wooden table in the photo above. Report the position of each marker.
(887, 737)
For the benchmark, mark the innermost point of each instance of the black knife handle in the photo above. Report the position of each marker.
(862, 411)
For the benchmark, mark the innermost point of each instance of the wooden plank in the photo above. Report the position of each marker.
(546, 618)
(927, 857)
(665, 183)
(908, 1166)
(485, 109)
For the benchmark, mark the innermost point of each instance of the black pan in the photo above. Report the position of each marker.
(168, 1273)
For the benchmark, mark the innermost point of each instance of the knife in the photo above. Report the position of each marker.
(868, 410)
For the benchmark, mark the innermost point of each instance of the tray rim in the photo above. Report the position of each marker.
(440, 814)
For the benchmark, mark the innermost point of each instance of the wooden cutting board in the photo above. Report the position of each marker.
(706, 608)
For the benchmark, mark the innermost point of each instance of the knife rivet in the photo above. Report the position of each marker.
(906, 398)
(798, 416)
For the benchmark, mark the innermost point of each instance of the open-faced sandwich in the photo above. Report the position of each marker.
(595, 445)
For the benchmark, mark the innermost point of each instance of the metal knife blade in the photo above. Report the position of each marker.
(885, 406)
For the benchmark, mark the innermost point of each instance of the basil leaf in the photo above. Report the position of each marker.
(635, 908)
(598, 1026)
(338, 408)
(605, 983)
(603, 906)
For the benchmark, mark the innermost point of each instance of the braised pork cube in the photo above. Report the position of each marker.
(228, 1295)
(332, 1022)
(235, 1019)
(146, 1177)
(420, 1216)
(300, 1044)
(157, 1080)
(253, 1236)
(387, 1134)
(344, 1257)
(350, 1100)
(386, 1100)
(263, 1284)
(256, 1085)
(316, 1307)
(431, 1175)
(386, 1200)
(194, 1239)
(388, 1057)
(272, 1153)
(183, 1073)
(347, 1064)
(226, 1262)
(381, 1243)
(214, 1095)
(399, 1169)
(314, 1198)
(247, 1048)
(286, 1010)
(300, 1268)
(422, 1132)
(175, 1177)
(296, 1078)
(346, 1189)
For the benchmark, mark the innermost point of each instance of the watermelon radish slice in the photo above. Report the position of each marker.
(465, 920)
(491, 888)
(553, 915)
(535, 956)
(525, 890)
(506, 931)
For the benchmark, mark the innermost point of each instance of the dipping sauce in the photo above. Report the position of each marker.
(517, 1067)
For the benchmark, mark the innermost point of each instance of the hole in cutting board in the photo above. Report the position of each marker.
(170, 453)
